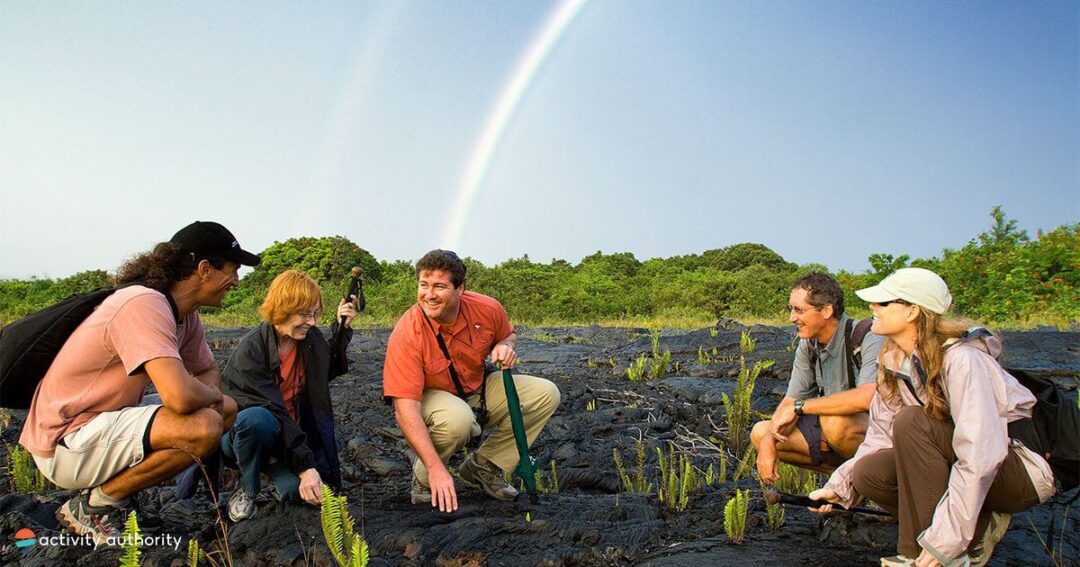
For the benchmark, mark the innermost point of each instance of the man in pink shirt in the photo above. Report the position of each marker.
(86, 428)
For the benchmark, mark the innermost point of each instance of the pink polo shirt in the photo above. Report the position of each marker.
(100, 367)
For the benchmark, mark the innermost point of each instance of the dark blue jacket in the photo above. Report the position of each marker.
(251, 377)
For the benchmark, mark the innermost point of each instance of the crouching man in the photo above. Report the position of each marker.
(86, 428)
(823, 418)
(435, 376)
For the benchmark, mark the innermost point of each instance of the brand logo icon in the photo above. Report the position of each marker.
(25, 538)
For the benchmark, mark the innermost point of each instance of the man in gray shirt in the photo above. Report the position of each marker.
(823, 418)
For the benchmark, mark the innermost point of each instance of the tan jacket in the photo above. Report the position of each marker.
(983, 399)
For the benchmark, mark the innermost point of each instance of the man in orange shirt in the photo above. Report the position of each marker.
(435, 376)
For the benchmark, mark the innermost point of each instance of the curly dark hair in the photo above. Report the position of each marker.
(162, 267)
(823, 290)
(445, 261)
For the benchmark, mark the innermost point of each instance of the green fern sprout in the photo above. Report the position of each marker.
(710, 475)
(640, 483)
(746, 464)
(195, 553)
(636, 370)
(796, 480)
(677, 479)
(714, 332)
(554, 478)
(132, 540)
(737, 408)
(347, 547)
(659, 364)
(775, 512)
(619, 468)
(590, 405)
(721, 473)
(735, 516)
(25, 476)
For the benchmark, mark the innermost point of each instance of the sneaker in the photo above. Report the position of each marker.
(488, 476)
(99, 522)
(897, 561)
(995, 530)
(418, 493)
(241, 505)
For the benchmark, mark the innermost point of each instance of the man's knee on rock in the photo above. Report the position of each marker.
(759, 431)
(552, 397)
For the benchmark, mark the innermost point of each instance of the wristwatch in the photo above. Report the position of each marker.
(798, 407)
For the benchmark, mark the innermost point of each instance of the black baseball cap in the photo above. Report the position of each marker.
(207, 238)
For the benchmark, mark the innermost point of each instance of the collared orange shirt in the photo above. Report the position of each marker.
(414, 361)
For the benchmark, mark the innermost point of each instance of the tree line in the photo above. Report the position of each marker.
(1002, 277)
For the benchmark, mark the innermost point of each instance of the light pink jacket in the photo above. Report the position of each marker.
(983, 399)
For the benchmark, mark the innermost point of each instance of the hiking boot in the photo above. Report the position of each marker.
(99, 522)
(488, 476)
(897, 561)
(995, 530)
(241, 505)
(418, 493)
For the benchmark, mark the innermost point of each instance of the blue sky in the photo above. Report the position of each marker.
(826, 130)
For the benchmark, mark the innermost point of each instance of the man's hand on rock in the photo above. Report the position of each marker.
(441, 484)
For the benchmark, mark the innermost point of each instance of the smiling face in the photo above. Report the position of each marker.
(218, 282)
(894, 319)
(438, 297)
(297, 325)
(810, 321)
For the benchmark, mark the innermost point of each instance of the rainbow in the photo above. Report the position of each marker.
(543, 44)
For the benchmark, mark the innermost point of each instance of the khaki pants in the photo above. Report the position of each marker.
(451, 422)
(909, 479)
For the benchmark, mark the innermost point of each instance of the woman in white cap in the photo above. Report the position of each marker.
(937, 453)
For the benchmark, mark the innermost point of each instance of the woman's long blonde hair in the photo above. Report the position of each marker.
(933, 331)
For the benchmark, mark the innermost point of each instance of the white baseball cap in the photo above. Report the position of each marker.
(914, 285)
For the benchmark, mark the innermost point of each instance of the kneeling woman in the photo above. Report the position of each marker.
(279, 376)
(937, 454)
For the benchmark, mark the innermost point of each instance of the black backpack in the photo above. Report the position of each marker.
(29, 346)
(1054, 428)
(855, 333)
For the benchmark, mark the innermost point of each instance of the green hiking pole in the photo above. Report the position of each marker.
(526, 468)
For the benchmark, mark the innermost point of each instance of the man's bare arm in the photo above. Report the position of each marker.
(848, 402)
(179, 390)
(411, 422)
